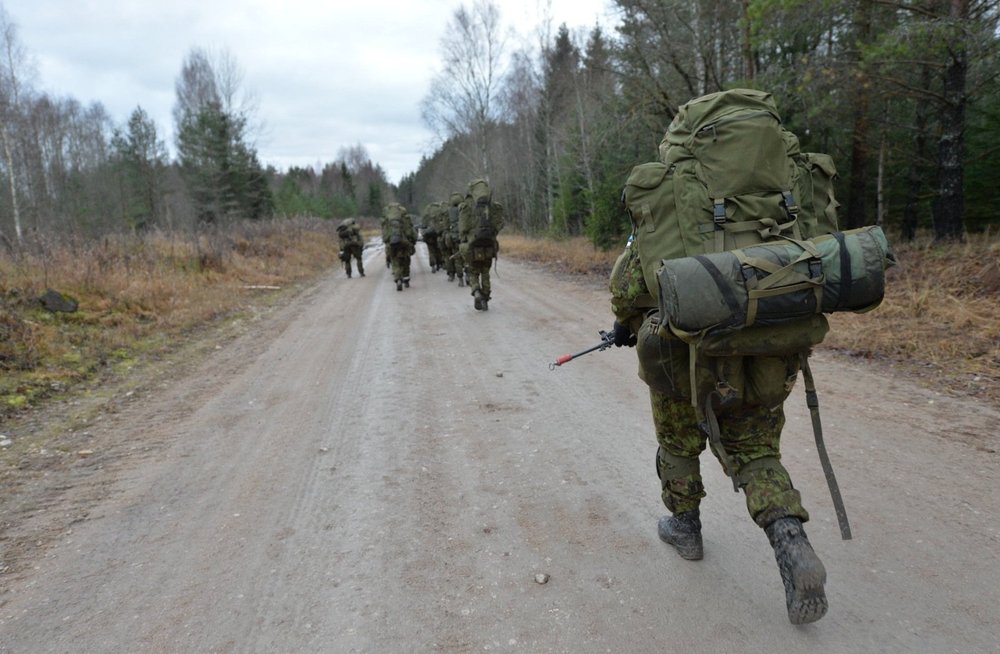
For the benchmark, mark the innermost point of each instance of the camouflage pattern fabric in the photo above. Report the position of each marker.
(478, 259)
(399, 256)
(750, 430)
(749, 434)
(352, 246)
(477, 266)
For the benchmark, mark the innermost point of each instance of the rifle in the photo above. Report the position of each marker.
(607, 340)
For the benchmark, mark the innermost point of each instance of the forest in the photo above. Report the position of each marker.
(903, 94)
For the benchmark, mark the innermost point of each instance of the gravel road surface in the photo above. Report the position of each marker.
(366, 470)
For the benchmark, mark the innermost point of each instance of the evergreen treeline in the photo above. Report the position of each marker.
(902, 93)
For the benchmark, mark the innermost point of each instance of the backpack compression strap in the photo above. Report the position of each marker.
(812, 401)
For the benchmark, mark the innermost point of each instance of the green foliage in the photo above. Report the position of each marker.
(223, 175)
(140, 160)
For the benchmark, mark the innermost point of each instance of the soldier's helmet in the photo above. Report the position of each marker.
(455, 199)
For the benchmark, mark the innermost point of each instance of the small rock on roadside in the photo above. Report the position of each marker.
(541, 578)
(499, 374)
(5, 441)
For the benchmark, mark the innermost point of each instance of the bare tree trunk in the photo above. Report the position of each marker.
(949, 219)
(859, 147)
(918, 155)
(749, 66)
(880, 208)
(588, 172)
(15, 208)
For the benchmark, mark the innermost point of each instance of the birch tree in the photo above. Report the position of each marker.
(462, 100)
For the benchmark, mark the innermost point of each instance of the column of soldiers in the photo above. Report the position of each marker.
(460, 233)
(464, 238)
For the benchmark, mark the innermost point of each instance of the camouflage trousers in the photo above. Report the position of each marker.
(452, 259)
(750, 436)
(477, 265)
(400, 267)
(435, 257)
(353, 251)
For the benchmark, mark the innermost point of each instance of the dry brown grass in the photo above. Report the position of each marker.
(940, 319)
(573, 255)
(136, 295)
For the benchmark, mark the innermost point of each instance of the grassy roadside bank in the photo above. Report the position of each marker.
(137, 298)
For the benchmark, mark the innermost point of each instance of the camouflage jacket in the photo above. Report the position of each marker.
(630, 297)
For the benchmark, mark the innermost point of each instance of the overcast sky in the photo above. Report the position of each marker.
(325, 74)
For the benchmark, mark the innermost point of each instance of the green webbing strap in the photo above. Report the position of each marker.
(719, 221)
(750, 467)
(812, 401)
(845, 269)
(728, 296)
(764, 287)
(711, 427)
(670, 466)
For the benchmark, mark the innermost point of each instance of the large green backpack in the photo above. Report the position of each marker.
(430, 226)
(730, 176)
(484, 218)
(394, 233)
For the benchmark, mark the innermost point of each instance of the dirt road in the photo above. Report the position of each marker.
(377, 471)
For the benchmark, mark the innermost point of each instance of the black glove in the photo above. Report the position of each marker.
(622, 335)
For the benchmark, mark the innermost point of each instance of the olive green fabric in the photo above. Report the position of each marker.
(775, 283)
(480, 219)
(729, 176)
(399, 236)
(478, 215)
(751, 437)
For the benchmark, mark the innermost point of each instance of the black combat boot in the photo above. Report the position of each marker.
(477, 300)
(683, 531)
(406, 282)
(802, 572)
(399, 284)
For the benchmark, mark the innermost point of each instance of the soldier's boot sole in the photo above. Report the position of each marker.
(688, 544)
(802, 573)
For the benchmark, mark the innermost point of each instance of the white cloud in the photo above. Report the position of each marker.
(326, 75)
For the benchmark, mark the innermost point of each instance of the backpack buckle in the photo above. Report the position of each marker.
(719, 213)
(790, 205)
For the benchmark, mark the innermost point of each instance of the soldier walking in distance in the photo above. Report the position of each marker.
(431, 235)
(454, 264)
(351, 245)
(480, 220)
(399, 237)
